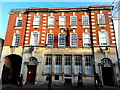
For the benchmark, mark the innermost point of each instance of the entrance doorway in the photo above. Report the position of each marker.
(31, 74)
(11, 69)
(107, 73)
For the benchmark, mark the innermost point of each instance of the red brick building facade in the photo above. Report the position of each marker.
(64, 42)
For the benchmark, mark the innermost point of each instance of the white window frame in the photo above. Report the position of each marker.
(16, 39)
(51, 22)
(86, 39)
(58, 64)
(73, 39)
(48, 64)
(62, 20)
(101, 19)
(63, 41)
(17, 21)
(36, 20)
(85, 20)
(78, 63)
(68, 64)
(32, 39)
(101, 37)
(73, 20)
(50, 39)
(88, 65)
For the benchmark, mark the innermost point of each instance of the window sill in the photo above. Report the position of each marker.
(36, 26)
(73, 26)
(62, 26)
(50, 26)
(17, 27)
(85, 26)
(102, 25)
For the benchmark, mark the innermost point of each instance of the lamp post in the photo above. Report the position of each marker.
(31, 49)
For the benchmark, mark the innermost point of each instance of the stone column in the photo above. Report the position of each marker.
(73, 69)
(63, 63)
(53, 64)
(83, 64)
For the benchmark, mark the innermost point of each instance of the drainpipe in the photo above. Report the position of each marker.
(92, 46)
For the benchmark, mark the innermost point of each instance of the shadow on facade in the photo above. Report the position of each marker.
(11, 69)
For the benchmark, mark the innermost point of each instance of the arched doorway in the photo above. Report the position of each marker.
(107, 72)
(11, 69)
(31, 70)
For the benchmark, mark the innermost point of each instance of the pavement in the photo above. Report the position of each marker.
(34, 87)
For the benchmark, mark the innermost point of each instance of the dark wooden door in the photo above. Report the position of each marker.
(31, 74)
(108, 76)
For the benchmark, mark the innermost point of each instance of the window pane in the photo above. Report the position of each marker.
(85, 20)
(50, 21)
(78, 64)
(73, 20)
(73, 39)
(48, 64)
(16, 39)
(86, 39)
(103, 38)
(88, 65)
(58, 63)
(68, 64)
(62, 39)
(62, 20)
(36, 20)
(19, 21)
(101, 19)
(50, 39)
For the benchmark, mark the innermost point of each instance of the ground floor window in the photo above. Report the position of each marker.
(48, 64)
(88, 65)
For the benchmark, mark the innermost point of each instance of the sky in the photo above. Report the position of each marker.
(6, 5)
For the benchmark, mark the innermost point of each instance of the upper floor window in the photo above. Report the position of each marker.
(85, 20)
(36, 20)
(34, 38)
(50, 39)
(103, 38)
(73, 20)
(61, 39)
(16, 39)
(101, 19)
(86, 39)
(73, 39)
(62, 20)
(51, 21)
(19, 21)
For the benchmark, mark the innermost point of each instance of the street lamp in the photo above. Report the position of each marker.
(31, 49)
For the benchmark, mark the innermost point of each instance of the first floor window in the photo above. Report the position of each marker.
(73, 20)
(73, 39)
(61, 39)
(68, 64)
(48, 64)
(36, 20)
(86, 39)
(101, 19)
(85, 20)
(62, 20)
(103, 38)
(78, 64)
(88, 65)
(58, 64)
(16, 39)
(51, 21)
(19, 21)
(50, 39)
(34, 38)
